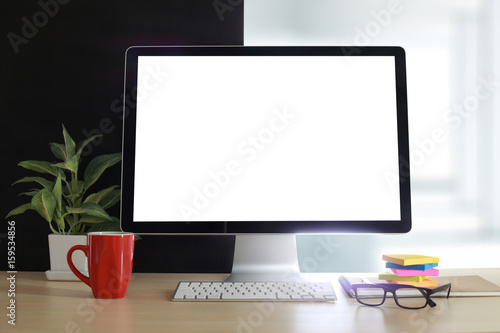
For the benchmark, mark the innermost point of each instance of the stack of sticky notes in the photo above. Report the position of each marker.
(411, 269)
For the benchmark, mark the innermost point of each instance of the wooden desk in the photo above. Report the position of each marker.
(56, 306)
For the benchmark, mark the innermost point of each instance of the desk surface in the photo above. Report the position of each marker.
(58, 306)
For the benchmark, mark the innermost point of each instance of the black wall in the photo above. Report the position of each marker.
(62, 62)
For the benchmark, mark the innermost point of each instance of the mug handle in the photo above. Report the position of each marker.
(72, 266)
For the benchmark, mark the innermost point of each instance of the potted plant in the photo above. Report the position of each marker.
(66, 201)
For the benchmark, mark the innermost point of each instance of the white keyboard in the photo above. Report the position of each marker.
(254, 291)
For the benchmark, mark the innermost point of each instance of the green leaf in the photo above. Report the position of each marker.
(39, 166)
(44, 203)
(89, 208)
(31, 193)
(58, 217)
(85, 143)
(97, 166)
(69, 191)
(59, 151)
(57, 192)
(19, 210)
(85, 218)
(40, 180)
(106, 226)
(72, 197)
(97, 197)
(70, 145)
(111, 199)
(71, 164)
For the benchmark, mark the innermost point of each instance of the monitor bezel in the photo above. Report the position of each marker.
(249, 227)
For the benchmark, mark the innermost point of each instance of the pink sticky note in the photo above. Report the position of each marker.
(412, 272)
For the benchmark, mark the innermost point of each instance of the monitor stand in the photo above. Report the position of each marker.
(265, 257)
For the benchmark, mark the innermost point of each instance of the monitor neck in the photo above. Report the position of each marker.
(265, 257)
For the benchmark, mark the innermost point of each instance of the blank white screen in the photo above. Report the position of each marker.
(265, 138)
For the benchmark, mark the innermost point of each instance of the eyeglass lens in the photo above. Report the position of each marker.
(370, 295)
(405, 297)
(410, 298)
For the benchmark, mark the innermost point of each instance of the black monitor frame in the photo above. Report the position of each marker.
(249, 227)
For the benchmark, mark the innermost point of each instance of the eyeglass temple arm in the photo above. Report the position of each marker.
(431, 302)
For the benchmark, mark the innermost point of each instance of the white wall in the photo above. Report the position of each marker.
(453, 55)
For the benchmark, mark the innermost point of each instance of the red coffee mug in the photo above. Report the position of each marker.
(110, 257)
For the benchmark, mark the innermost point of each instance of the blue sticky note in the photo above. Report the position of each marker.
(422, 267)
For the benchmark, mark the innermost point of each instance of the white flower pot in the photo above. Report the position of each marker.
(59, 246)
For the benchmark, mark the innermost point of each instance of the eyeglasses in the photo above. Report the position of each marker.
(405, 296)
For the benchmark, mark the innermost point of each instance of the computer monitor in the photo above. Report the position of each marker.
(265, 143)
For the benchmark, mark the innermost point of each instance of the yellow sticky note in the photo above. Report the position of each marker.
(409, 259)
